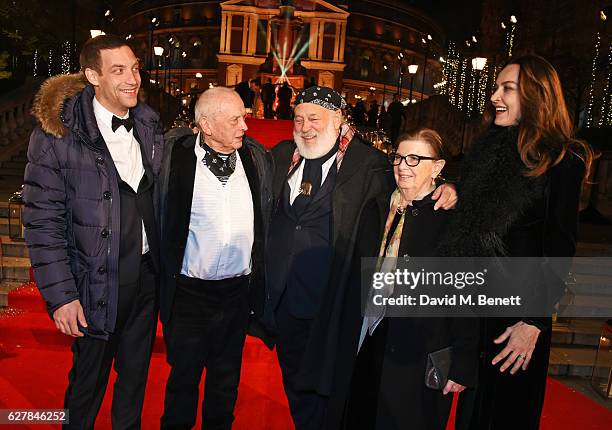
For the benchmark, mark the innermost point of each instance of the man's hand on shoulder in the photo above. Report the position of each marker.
(66, 317)
(446, 196)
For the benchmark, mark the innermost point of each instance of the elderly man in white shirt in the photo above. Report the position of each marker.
(216, 198)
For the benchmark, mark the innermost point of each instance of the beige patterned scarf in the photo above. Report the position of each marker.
(387, 261)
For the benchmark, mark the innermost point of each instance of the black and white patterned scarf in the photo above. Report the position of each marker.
(221, 165)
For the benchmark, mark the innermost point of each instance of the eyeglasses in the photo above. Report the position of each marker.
(411, 160)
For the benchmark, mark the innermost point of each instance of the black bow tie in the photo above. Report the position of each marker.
(128, 123)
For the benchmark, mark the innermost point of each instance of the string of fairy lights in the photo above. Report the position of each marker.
(588, 121)
(449, 74)
(598, 111)
(462, 79)
(465, 82)
(66, 55)
(50, 63)
(64, 62)
(471, 90)
(510, 35)
(35, 65)
(465, 86)
(481, 96)
(605, 116)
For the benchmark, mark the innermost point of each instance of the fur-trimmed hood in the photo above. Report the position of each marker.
(66, 102)
(51, 99)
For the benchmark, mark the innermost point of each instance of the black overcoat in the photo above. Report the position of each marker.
(502, 212)
(177, 183)
(403, 398)
(363, 174)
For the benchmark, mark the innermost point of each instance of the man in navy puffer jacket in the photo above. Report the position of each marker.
(91, 225)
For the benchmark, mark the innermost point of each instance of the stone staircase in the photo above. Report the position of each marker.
(14, 261)
(16, 124)
(575, 340)
(11, 174)
(574, 346)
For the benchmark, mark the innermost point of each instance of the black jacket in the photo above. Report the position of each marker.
(408, 340)
(177, 190)
(363, 174)
(503, 212)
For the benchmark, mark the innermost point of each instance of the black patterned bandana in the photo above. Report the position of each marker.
(322, 96)
(221, 165)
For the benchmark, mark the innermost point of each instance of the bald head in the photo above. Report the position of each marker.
(219, 113)
(212, 101)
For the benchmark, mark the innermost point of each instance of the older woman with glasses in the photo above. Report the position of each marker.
(382, 381)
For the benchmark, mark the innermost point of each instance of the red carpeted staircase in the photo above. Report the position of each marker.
(269, 132)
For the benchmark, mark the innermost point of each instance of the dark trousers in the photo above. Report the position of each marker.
(207, 328)
(268, 110)
(130, 347)
(307, 407)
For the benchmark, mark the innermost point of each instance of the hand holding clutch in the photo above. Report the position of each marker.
(452, 387)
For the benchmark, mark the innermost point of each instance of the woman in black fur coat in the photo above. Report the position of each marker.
(518, 197)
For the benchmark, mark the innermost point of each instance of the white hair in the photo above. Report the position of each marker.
(210, 101)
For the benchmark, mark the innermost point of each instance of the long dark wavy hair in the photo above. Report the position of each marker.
(546, 132)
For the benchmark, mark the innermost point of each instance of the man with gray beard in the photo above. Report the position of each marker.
(321, 182)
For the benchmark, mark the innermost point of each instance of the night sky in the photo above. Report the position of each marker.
(460, 18)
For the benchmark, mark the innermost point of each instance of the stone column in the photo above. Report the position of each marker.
(320, 40)
(269, 36)
(312, 45)
(253, 30)
(245, 33)
(342, 41)
(224, 19)
(228, 34)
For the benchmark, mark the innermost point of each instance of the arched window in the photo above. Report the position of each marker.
(365, 68)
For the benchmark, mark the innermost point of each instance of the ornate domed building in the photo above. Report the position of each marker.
(361, 48)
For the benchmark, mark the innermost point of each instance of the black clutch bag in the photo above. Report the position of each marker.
(438, 366)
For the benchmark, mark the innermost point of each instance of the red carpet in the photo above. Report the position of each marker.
(35, 359)
(269, 132)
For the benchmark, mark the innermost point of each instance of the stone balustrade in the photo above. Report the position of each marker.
(16, 122)
(15, 119)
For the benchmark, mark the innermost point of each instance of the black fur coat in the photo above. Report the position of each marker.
(493, 194)
(502, 212)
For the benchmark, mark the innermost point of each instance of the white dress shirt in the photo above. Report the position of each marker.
(124, 150)
(221, 232)
(295, 180)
